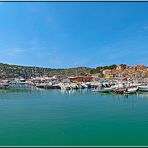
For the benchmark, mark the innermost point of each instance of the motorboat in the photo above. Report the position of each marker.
(104, 90)
(65, 86)
(143, 88)
(131, 90)
(4, 85)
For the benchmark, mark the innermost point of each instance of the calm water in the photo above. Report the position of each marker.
(52, 117)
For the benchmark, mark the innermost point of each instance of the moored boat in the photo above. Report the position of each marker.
(131, 90)
(119, 90)
(104, 90)
(143, 88)
(4, 85)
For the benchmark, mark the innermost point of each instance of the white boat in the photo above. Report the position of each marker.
(65, 86)
(117, 86)
(4, 85)
(131, 90)
(80, 86)
(84, 85)
(41, 85)
(74, 86)
(105, 90)
(20, 84)
(143, 88)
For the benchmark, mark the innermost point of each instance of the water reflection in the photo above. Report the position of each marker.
(21, 90)
(143, 94)
(74, 91)
(79, 91)
(84, 91)
(139, 94)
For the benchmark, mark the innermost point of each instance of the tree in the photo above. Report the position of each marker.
(93, 71)
(112, 66)
(101, 74)
(123, 65)
(82, 74)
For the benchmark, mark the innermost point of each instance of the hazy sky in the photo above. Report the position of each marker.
(71, 34)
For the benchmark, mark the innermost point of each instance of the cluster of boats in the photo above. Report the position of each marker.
(122, 88)
(46, 85)
(98, 86)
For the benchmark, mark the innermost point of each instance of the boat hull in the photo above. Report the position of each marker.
(143, 88)
(102, 90)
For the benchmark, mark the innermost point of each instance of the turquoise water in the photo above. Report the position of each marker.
(82, 118)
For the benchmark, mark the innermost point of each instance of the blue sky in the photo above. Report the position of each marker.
(72, 34)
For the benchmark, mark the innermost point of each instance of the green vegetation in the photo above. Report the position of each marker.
(110, 67)
(14, 71)
(100, 69)
(123, 65)
(83, 74)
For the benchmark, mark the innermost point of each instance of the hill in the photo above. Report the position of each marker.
(14, 71)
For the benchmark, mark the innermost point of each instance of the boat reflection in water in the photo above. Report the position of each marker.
(75, 91)
(142, 94)
(21, 90)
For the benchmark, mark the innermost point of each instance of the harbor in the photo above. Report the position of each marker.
(75, 110)
(73, 74)
(102, 86)
(122, 79)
